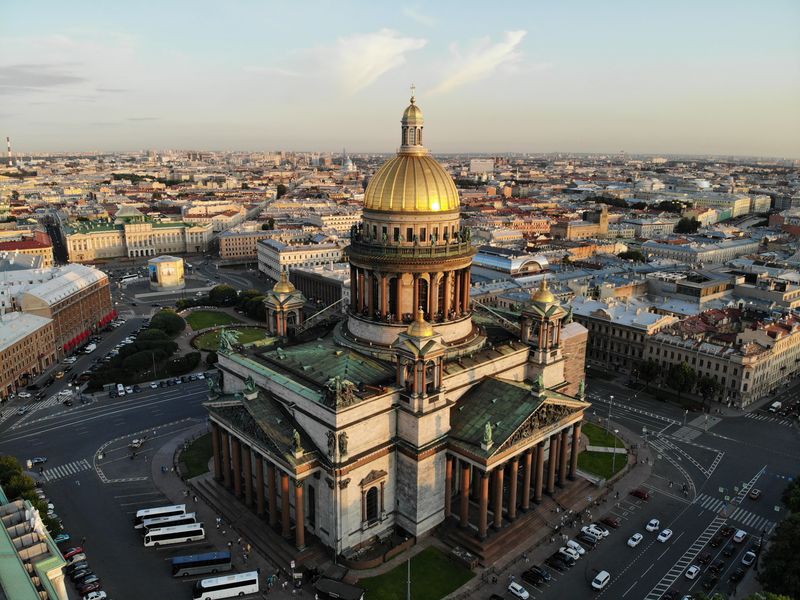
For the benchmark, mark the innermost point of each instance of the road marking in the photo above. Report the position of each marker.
(630, 588)
(61, 471)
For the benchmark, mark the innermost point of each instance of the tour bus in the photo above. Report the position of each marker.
(200, 564)
(174, 535)
(330, 588)
(172, 521)
(128, 279)
(159, 511)
(227, 586)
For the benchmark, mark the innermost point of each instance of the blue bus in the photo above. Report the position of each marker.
(198, 564)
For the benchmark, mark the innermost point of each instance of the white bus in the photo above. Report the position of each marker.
(158, 511)
(174, 535)
(126, 279)
(172, 521)
(226, 587)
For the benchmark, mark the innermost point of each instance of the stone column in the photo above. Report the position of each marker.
(448, 486)
(371, 294)
(285, 516)
(466, 289)
(217, 451)
(457, 291)
(527, 459)
(448, 291)
(272, 494)
(384, 295)
(562, 462)
(398, 295)
(226, 459)
(247, 471)
(299, 515)
(537, 491)
(259, 485)
(573, 462)
(433, 295)
(552, 458)
(512, 489)
(360, 287)
(353, 294)
(416, 295)
(237, 467)
(464, 512)
(498, 496)
(484, 505)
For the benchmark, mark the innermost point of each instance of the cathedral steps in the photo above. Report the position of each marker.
(268, 542)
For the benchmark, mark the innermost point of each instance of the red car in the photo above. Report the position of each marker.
(610, 521)
(72, 552)
(641, 493)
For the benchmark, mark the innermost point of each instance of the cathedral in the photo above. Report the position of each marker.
(412, 413)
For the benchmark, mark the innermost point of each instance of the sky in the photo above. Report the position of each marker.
(695, 77)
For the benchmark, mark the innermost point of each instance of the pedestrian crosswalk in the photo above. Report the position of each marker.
(76, 466)
(769, 419)
(738, 514)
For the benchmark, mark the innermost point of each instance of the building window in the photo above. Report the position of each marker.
(372, 505)
(422, 234)
(409, 234)
(396, 234)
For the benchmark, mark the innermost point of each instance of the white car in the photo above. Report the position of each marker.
(24, 395)
(518, 591)
(692, 572)
(594, 530)
(569, 552)
(201, 376)
(95, 596)
(153, 385)
(739, 536)
(576, 546)
(653, 525)
(748, 558)
(601, 580)
(634, 540)
(665, 535)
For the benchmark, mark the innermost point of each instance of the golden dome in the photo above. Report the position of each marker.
(412, 114)
(543, 295)
(411, 183)
(420, 327)
(284, 286)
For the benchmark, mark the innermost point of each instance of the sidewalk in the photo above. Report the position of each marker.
(223, 536)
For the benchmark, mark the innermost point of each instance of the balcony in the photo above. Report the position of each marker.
(411, 251)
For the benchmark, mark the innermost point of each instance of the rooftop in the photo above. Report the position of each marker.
(16, 326)
(69, 280)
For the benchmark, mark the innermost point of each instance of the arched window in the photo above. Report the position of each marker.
(372, 505)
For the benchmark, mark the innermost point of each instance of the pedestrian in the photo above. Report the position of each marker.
(230, 543)
(249, 547)
(525, 556)
(239, 541)
(195, 499)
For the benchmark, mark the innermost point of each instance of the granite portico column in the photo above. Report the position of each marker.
(537, 486)
(215, 446)
(299, 515)
(512, 489)
(371, 294)
(552, 458)
(573, 459)
(448, 486)
(384, 295)
(498, 497)
(272, 494)
(457, 291)
(398, 309)
(226, 458)
(562, 462)
(237, 467)
(527, 459)
(416, 306)
(259, 485)
(448, 291)
(483, 505)
(286, 522)
(464, 512)
(247, 471)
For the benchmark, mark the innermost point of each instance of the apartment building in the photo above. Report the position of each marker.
(27, 347)
(696, 253)
(33, 243)
(274, 256)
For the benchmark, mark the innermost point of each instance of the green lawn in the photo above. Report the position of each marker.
(433, 576)
(599, 436)
(195, 458)
(200, 319)
(210, 340)
(600, 463)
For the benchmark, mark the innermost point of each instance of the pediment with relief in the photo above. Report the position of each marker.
(545, 416)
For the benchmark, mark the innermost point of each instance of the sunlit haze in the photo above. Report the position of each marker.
(643, 77)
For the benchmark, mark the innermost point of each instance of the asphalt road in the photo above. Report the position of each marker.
(97, 498)
(718, 464)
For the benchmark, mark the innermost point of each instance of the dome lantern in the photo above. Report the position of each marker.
(411, 127)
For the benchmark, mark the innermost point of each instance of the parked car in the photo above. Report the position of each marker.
(692, 572)
(717, 567)
(653, 525)
(89, 587)
(556, 563)
(70, 552)
(587, 539)
(726, 531)
(737, 575)
(704, 558)
(38, 460)
(61, 538)
(596, 531)
(536, 575)
(739, 536)
(716, 541)
(566, 551)
(79, 574)
(518, 591)
(576, 546)
(664, 535)
(748, 558)
(634, 540)
(611, 521)
(24, 395)
(601, 580)
(710, 582)
(640, 493)
(728, 551)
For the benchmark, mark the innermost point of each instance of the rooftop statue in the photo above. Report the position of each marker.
(228, 338)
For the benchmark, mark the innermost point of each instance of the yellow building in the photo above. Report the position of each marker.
(27, 347)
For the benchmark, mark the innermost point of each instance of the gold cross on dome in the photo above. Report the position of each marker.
(413, 92)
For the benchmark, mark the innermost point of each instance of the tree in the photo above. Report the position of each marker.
(672, 206)
(708, 387)
(211, 358)
(269, 225)
(649, 371)
(681, 378)
(152, 335)
(9, 466)
(282, 189)
(168, 321)
(780, 565)
(634, 255)
(223, 295)
(687, 225)
(791, 496)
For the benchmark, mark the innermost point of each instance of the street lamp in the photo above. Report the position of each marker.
(614, 458)
(610, 404)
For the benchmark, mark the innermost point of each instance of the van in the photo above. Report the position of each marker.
(120, 389)
(601, 580)
(775, 407)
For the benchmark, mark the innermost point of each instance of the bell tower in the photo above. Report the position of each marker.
(284, 306)
(420, 356)
(541, 329)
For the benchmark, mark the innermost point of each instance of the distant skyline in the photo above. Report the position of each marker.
(678, 77)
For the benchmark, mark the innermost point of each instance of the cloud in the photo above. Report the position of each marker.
(110, 90)
(142, 118)
(482, 60)
(22, 78)
(352, 63)
(415, 15)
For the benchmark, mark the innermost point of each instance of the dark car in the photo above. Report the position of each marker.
(89, 587)
(716, 541)
(710, 582)
(737, 575)
(162, 384)
(90, 579)
(78, 566)
(536, 575)
(726, 531)
(496, 597)
(568, 560)
(587, 539)
(67, 402)
(704, 558)
(729, 550)
(611, 521)
(80, 573)
(717, 567)
(556, 563)
(640, 493)
(671, 595)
